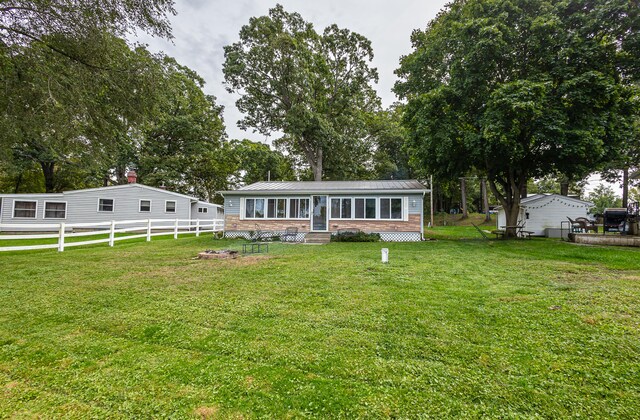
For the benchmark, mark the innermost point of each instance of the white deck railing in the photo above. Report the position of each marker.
(147, 227)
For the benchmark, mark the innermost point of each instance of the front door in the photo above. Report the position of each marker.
(320, 216)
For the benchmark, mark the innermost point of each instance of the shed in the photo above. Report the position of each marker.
(540, 212)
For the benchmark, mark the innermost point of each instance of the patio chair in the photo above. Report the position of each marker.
(261, 235)
(290, 235)
(576, 225)
(587, 225)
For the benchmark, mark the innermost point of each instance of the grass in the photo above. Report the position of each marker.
(450, 328)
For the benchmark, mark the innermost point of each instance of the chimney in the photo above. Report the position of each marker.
(132, 176)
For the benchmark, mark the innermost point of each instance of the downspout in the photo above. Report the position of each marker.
(422, 215)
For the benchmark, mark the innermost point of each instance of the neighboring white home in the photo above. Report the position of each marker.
(131, 201)
(542, 214)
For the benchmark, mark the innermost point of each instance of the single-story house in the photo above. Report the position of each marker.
(543, 214)
(130, 201)
(393, 209)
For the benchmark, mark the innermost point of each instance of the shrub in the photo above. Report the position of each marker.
(356, 237)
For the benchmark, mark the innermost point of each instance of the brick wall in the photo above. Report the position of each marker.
(233, 222)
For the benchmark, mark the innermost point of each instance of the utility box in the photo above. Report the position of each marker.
(385, 255)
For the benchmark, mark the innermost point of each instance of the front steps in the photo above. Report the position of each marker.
(317, 238)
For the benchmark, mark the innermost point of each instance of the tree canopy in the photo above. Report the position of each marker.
(521, 88)
(315, 88)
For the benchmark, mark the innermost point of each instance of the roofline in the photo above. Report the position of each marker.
(44, 195)
(114, 187)
(324, 192)
(541, 196)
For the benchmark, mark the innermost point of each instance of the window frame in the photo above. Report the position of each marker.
(140, 205)
(44, 211)
(113, 205)
(376, 201)
(341, 208)
(13, 210)
(290, 199)
(287, 212)
(402, 209)
(200, 210)
(175, 206)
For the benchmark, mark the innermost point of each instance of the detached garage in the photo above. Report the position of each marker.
(546, 211)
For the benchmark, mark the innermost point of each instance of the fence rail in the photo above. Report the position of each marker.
(148, 228)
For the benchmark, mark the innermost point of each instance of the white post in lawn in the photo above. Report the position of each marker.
(112, 232)
(175, 230)
(61, 238)
(197, 227)
(148, 230)
(385, 255)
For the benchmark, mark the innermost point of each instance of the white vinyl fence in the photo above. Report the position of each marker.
(146, 228)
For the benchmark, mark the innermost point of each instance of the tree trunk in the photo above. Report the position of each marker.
(463, 192)
(48, 172)
(317, 166)
(485, 200)
(564, 188)
(17, 183)
(625, 187)
(510, 200)
(523, 191)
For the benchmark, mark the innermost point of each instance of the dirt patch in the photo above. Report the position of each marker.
(516, 298)
(11, 385)
(206, 413)
(589, 320)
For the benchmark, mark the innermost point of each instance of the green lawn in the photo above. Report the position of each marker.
(450, 328)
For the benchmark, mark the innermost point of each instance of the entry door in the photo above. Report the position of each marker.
(320, 215)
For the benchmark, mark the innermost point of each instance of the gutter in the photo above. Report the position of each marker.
(422, 217)
(315, 192)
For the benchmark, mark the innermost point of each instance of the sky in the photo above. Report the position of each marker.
(202, 28)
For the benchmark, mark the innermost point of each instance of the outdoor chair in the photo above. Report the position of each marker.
(576, 225)
(587, 225)
(290, 235)
(261, 235)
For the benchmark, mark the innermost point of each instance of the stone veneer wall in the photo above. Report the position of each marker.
(233, 222)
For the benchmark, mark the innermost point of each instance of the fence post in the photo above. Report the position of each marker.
(197, 227)
(175, 230)
(148, 230)
(112, 233)
(61, 238)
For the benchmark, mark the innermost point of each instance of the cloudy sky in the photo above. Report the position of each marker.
(202, 28)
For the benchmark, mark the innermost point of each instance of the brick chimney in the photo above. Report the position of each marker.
(132, 177)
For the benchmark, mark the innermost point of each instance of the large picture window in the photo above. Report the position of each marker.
(276, 208)
(55, 210)
(391, 208)
(105, 204)
(298, 208)
(26, 209)
(365, 208)
(341, 208)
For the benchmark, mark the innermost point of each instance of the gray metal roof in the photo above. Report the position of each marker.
(274, 187)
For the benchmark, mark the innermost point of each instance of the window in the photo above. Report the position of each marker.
(341, 208)
(54, 210)
(203, 210)
(254, 208)
(365, 208)
(105, 204)
(169, 206)
(25, 209)
(298, 208)
(391, 208)
(145, 206)
(277, 208)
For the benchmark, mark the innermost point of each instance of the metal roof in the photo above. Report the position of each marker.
(274, 187)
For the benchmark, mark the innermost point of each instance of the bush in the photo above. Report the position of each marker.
(356, 237)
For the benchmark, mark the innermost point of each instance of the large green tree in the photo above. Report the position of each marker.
(313, 87)
(258, 162)
(520, 89)
(182, 147)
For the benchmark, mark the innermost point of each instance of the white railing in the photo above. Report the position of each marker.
(147, 228)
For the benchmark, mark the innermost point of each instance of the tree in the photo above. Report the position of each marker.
(390, 158)
(603, 197)
(314, 88)
(182, 147)
(258, 162)
(519, 89)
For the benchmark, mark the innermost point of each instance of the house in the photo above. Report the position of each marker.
(392, 208)
(131, 201)
(543, 214)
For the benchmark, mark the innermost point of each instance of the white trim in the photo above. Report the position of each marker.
(44, 211)
(202, 208)
(13, 209)
(140, 205)
(113, 206)
(243, 207)
(175, 207)
(377, 216)
(404, 210)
